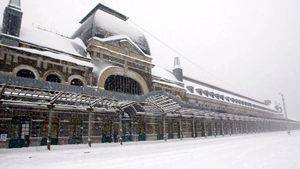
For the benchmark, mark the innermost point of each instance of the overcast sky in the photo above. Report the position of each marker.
(249, 46)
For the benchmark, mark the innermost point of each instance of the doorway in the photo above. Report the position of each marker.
(126, 127)
(20, 132)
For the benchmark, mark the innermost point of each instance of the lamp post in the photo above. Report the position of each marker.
(283, 104)
(284, 111)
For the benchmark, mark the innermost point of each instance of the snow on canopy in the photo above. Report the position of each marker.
(104, 25)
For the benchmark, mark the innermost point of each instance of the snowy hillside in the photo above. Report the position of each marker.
(257, 151)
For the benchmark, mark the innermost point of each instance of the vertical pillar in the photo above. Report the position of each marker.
(194, 130)
(236, 127)
(213, 127)
(120, 129)
(180, 128)
(164, 126)
(241, 126)
(204, 127)
(247, 127)
(90, 127)
(145, 126)
(50, 109)
(230, 127)
(222, 127)
(132, 129)
(233, 127)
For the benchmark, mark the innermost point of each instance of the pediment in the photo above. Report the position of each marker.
(127, 45)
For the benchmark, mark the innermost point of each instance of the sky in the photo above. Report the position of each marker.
(247, 46)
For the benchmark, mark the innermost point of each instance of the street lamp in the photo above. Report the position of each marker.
(283, 104)
(285, 112)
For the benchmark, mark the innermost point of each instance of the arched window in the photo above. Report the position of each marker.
(122, 84)
(26, 74)
(76, 82)
(53, 78)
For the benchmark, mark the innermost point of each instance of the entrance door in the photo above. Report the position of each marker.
(107, 132)
(76, 131)
(142, 129)
(126, 127)
(53, 134)
(20, 131)
(170, 128)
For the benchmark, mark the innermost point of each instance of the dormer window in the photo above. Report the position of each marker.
(212, 94)
(227, 98)
(190, 89)
(199, 91)
(222, 97)
(232, 100)
(239, 101)
(205, 93)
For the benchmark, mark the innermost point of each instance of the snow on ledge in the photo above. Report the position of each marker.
(57, 56)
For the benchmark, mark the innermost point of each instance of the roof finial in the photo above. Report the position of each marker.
(15, 3)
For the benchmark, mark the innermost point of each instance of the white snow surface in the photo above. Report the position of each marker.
(118, 38)
(164, 74)
(256, 151)
(51, 40)
(58, 56)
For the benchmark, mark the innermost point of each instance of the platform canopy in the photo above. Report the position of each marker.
(24, 92)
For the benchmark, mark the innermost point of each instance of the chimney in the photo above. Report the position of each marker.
(177, 71)
(12, 19)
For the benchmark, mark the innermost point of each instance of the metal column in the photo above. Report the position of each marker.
(50, 108)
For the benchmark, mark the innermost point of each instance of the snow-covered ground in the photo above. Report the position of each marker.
(256, 151)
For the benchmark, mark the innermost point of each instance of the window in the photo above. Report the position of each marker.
(76, 82)
(199, 91)
(53, 78)
(190, 88)
(212, 94)
(26, 74)
(205, 93)
(122, 84)
(222, 97)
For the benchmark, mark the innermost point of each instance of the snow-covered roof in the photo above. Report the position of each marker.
(118, 38)
(106, 9)
(103, 24)
(58, 56)
(164, 74)
(221, 95)
(15, 3)
(46, 39)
